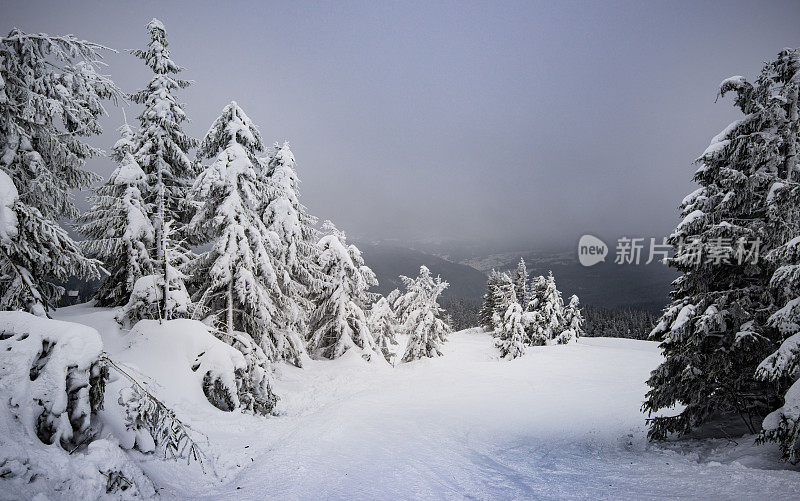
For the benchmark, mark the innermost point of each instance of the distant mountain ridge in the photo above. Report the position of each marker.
(642, 287)
(389, 261)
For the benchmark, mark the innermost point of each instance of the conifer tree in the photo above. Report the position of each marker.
(521, 283)
(236, 281)
(422, 312)
(293, 236)
(161, 295)
(117, 226)
(573, 321)
(538, 286)
(161, 144)
(339, 323)
(51, 98)
(487, 311)
(500, 301)
(552, 308)
(383, 325)
(715, 332)
(782, 367)
(509, 330)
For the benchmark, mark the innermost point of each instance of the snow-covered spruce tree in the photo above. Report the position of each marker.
(339, 323)
(782, 367)
(537, 288)
(422, 320)
(551, 308)
(509, 330)
(236, 281)
(383, 325)
(117, 226)
(161, 295)
(504, 282)
(162, 146)
(521, 283)
(487, 311)
(573, 321)
(715, 332)
(50, 99)
(291, 229)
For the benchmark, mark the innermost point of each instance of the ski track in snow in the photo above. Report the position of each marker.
(562, 422)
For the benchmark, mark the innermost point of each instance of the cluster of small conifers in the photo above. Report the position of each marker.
(522, 312)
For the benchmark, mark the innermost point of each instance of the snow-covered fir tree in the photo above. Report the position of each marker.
(573, 321)
(339, 323)
(487, 311)
(551, 309)
(782, 367)
(50, 99)
(537, 288)
(162, 146)
(422, 315)
(509, 329)
(500, 301)
(117, 226)
(293, 238)
(236, 281)
(521, 283)
(162, 295)
(715, 332)
(383, 325)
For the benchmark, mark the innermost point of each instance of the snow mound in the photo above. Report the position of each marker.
(188, 360)
(51, 379)
(50, 372)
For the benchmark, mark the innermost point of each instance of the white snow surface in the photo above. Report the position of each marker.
(560, 422)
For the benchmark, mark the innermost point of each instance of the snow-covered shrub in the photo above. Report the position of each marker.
(53, 377)
(29, 469)
(228, 377)
(155, 425)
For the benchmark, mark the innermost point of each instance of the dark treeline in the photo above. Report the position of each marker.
(464, 312)
(606, 322)
(598, 321)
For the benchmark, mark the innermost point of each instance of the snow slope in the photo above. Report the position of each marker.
(559, 422)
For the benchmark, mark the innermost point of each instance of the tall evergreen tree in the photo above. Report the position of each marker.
(782, 367)
(421, 317)
(521, 283)
(715, 332)
(162, 146)
(573, 320)
(509, 329)
(117, 226)
(50, 99)
(236, 281)
(487, 311)
(339, 323)
(384, 326)
(293, 239)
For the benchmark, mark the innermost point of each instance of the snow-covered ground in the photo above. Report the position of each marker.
(560, 422)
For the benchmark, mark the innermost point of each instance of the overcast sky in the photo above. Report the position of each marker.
(517, 123)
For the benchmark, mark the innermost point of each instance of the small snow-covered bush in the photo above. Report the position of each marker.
(200, 365)
(51, 373)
